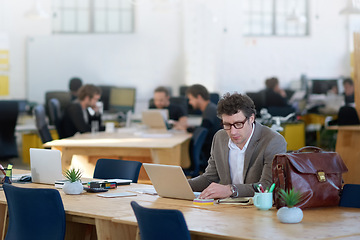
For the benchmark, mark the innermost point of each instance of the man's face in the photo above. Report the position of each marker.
(348, 89)
(238, 136)
(161, 100)
(92, 101)
(194, 101)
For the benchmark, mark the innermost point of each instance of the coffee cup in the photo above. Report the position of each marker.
(263, 201)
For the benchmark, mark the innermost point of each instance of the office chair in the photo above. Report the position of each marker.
(196, 144)
(9, 111)
(41, 124)
(258, 99)
(64, 98)
(56, 114)
(214, 97)
(116, 168)
(34, 213)
(350, 196)
(180, 101)
(160, 223)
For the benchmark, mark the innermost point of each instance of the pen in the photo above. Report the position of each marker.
(261, 188)
(272, 187)
(254, 187)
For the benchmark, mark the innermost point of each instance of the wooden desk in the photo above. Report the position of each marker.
(114, 218)
(347, 143)
(172, 149)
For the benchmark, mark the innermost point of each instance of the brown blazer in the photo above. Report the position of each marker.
(264, 144)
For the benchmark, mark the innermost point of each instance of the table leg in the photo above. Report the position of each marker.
(3, 220)
(106, 229)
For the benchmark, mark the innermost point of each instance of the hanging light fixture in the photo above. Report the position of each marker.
(352, 8)
(37, 12)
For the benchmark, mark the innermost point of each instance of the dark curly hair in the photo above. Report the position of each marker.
(231, 104)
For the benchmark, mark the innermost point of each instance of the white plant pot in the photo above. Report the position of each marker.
(290, 215)
(73, 188)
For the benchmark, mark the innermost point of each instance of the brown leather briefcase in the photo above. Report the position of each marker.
(315, 173)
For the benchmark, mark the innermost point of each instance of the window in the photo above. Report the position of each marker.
(93, 16)
(276, 18)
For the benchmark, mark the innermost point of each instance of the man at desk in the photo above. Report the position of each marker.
(176, 113)
(80, 114)
(241, 153)
(199, 99)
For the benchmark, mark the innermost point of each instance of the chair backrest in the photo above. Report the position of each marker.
(116, 168)
(64, 98)
(350, 196)
(56, 114)
(9, 111)
(34, 213)
(214, 97)
(180, 101)
(160, 223)
(41, 124)
(348, 116)
(195, 150)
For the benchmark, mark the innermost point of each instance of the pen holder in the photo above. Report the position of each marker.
(263, 201)
(5, 175)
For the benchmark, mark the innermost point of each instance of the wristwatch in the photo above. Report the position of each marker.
(234, 190)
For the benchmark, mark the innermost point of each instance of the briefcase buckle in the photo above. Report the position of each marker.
(321, 176)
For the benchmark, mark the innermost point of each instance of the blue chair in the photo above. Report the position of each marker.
(160, 223)
(350, 196)
(41, 124)
(56, 115)
(34, 213)
(9, 111)
(196, 144)
(115, 168)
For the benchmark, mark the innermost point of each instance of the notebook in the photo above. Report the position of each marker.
(156, 119)
(45, 165)
(170, 181)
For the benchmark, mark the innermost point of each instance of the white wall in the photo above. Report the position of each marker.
(175, 44)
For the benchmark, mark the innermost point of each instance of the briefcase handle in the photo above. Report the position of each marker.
(309, 149)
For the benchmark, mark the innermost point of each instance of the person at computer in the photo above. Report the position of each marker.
(241, 153)
(177, 114)
(274, 95)
(75, 84)
(349, 91)
(199, 99)
(80, 114)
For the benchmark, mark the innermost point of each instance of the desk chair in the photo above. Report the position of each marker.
(116, 168)
(350, 196)
(196, 144)
(41, 124)
(9, 111)
(160, 223)
(34, 213)
(56, 115)
(64, 98)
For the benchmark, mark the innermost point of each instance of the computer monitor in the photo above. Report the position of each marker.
(322, 86)
(122, 99)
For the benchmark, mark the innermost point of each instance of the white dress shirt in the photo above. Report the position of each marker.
(236, 160)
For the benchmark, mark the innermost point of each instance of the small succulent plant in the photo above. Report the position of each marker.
(73, 175)
(290, 197)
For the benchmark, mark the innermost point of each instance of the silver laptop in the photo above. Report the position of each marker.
(170, 181)
(45, 165)
(155, 118)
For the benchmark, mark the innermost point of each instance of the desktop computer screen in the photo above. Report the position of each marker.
(322, 86)
(122, 99)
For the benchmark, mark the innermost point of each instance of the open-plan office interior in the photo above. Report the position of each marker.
(131, 47)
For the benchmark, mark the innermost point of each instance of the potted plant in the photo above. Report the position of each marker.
(73, 185)
(290, 213)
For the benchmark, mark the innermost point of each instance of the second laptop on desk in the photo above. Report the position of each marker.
(170, 181)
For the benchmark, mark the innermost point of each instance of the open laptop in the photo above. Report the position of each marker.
(155, 119)
(45, 165)
(170, 181)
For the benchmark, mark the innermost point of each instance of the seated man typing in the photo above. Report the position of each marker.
(241, 153)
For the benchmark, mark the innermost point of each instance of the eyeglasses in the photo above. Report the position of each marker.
(237, 125)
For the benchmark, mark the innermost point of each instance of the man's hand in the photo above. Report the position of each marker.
(215, 190)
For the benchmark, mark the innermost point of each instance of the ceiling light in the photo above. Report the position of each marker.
(37, 12)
